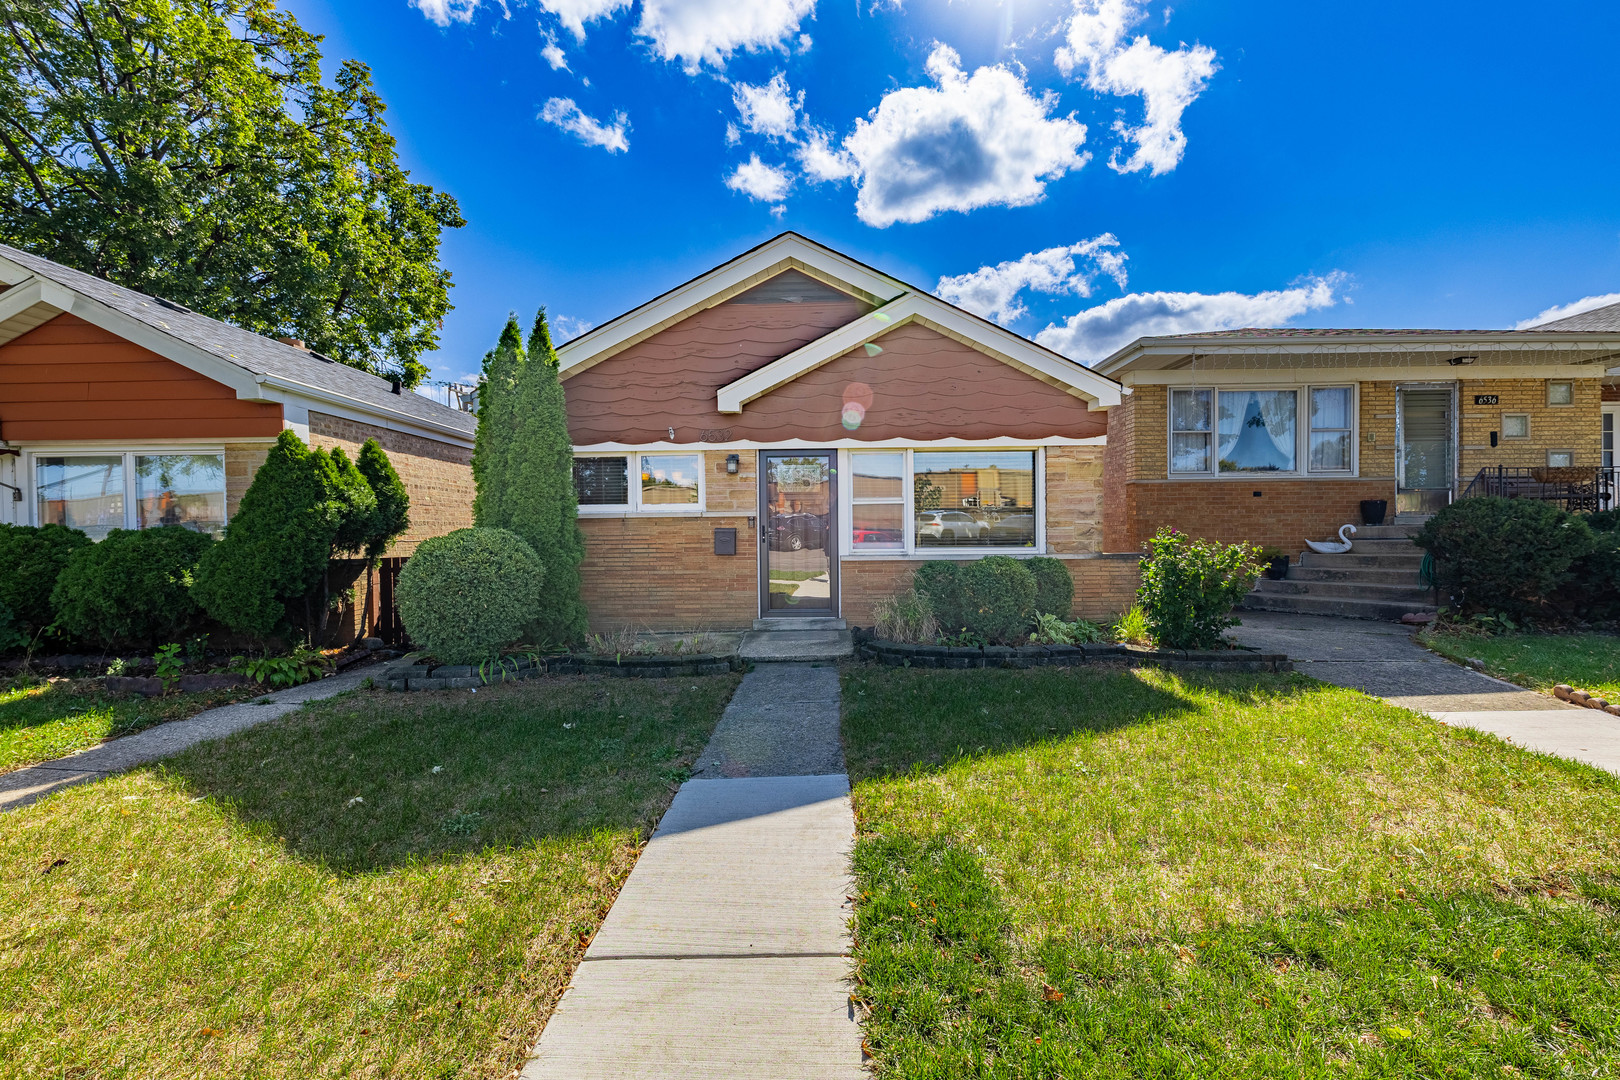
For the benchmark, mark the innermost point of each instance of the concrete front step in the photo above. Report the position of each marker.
(1382, 610)
(1396, 545)
(796, 625)
(1406, 592)
(1374, 576)
(1365, 561)
(769, 646)
(1386, 532)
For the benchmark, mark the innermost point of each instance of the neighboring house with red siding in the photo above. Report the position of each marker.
(119, 410)
(792, 433)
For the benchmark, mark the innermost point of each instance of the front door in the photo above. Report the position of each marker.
(798, 534)
(1427, 462)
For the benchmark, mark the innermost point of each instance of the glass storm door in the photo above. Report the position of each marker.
(1426, 464)
(798, 534)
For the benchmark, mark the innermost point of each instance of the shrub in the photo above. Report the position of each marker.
(132, 588)
(1054, 586)
(466, 595)
(998, 594)
(11, 635)
(939, 584)
(30, 562)
(1189, 588)
(1051, 630)
(1594, 589)
(905, 617)
(1504, 556)
(393, 515)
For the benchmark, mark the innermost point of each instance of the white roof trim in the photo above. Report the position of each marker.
(1096, 390)
(50, 299)
(788, 251)
(1354, 345)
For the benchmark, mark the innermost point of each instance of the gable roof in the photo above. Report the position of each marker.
(1604, 318)
(256, 367)
(894, 304)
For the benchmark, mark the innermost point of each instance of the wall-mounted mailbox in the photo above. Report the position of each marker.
(725, 541)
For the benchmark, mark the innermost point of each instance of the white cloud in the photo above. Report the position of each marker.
(992, 291)
(445, 12)
(1584, 304)
(567, 328)
(1167, 82)
(574, 14)
(757, 180)
(770, 109)
(823, 162)
(587, 129)
(970, 141)
(553, 54)
(1097, 332)
(697, 32)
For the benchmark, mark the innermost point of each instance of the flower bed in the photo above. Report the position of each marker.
(414, 672)
(894, 654)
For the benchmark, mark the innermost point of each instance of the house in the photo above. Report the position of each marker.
(1274, 436)
(788, 435)
(122, 411)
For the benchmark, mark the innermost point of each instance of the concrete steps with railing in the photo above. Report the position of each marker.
(1378, 578)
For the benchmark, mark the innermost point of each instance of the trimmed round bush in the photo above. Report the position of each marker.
(466, 595)
(998, 593)
(1054, 586)
(132, 588)
(31, 559)
(939, 583)
(1504, 556)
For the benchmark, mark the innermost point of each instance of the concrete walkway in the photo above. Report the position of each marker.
(1382, 659)
(18, 789)
(725, 955)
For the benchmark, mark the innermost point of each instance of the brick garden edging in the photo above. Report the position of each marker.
(893, 654)
(408, 673)
(1565, 692)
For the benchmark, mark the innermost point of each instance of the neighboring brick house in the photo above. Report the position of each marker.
(119, 410)
(790, 434)
(1274, 436)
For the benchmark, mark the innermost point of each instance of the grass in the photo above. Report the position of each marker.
(379, 885)
(1540, 661)
(43, 720)
(1084, 872)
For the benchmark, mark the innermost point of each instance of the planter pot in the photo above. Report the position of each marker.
(1373, 511)
(1277, 569)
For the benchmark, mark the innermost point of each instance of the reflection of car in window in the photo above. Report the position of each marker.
(876, 536)
(1014, 529)
(948, 525)
(797, 532)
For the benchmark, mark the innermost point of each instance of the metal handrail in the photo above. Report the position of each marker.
(1547, 485)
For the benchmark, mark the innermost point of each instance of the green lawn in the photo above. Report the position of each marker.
(1540, 661)
(381, 885)
(1111, 873)
(42, 720)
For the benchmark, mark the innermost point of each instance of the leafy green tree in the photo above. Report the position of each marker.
(540, 503)
(497, 424)
(275, 549)
(190, 149)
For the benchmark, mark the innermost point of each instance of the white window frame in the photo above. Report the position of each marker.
(908, 519)
(633, 478)
(1302, 433)
(30, 472)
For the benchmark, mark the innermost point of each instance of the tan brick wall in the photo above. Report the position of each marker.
(242, 461)
(1074, 499)
(1576, 427)
(1103, 586)
(662, 573)
(438, 475)
(725, 493)
(1119, 465)
(1285, 515)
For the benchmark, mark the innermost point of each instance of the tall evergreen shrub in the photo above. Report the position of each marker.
(492, 447)
(275, 549)
(393, 515)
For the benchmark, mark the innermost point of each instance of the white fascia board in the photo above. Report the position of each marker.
(1323, 376)
(783, 253)
(918, 307)
(11, 273)
(303, 398)
(1144, 350)
(25, 299)
(1003, 441)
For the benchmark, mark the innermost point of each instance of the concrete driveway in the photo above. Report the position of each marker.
(1382, 659)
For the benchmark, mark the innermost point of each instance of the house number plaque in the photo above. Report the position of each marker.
(1487, 399)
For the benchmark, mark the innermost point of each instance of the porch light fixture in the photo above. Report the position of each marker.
(1459, 361)
(732, 463)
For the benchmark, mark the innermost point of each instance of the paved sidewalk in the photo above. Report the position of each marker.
(725, 955)
(1382, 659)
(18, 789)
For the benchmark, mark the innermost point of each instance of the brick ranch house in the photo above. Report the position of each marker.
(121, 411)
(791, 433)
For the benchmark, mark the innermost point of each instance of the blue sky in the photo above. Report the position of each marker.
(1082, 170)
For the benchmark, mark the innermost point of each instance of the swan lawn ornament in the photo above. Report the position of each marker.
(1328, 547)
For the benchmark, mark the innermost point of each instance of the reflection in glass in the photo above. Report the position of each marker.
(974, 498)
(83, 492)
(181, 489)
(798, 522)
(602, 481)
(877, 501)
(1190, 427)
(670, 479)
(1330, 429)
(1256, 430)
